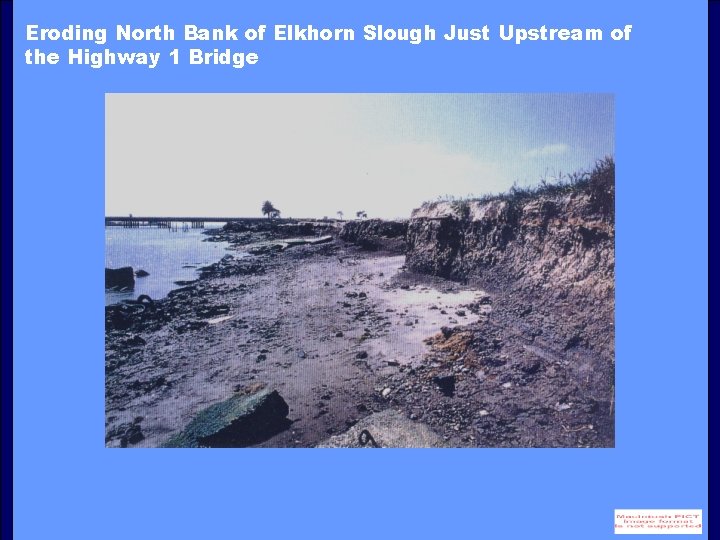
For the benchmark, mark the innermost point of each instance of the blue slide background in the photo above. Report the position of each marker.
(68, 485)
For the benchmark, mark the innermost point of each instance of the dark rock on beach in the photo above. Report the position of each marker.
(239, 421)
(119, 278)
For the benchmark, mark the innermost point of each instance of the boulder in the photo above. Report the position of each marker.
(141, 273)
(240, 421)
(119, 277)
(387, 429)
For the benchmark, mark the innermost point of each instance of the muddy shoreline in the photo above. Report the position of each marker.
(342, 331)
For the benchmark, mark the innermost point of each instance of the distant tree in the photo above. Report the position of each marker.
(361, 214)
(340, 214)
(275, 214)
(268, 209)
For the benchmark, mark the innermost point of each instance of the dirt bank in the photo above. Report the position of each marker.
(539, 369)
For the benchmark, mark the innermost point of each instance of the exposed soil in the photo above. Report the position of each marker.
(341, 332)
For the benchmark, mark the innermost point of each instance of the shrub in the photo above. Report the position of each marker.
(599, 183)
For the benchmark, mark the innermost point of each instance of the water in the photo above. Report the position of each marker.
(167, 255)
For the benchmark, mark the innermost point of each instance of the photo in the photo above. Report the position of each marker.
(360, 270)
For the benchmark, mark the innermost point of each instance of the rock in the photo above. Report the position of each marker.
(339, 334)
(386, 392)
(361, 355)
(147, 386)
(237, 422)
(389, 429)
(446, 384)
(128, 433)
(141, 273)
(530, 366)
(573, 342)
(133, 436)
(116, 318)
(119, 277)
(447, 331)
(135, 341)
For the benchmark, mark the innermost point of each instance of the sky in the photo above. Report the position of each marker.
(313, 155)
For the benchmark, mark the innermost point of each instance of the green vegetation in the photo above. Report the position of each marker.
(599, 183)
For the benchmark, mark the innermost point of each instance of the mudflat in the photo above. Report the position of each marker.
(341, 333)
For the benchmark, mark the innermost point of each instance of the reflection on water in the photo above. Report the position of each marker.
(167, 255)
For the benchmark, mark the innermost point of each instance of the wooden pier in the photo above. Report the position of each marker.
(135, 222)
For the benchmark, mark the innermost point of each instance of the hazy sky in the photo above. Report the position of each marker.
(315, 154)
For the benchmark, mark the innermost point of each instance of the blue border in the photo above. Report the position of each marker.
(6, 270)
(713, 152)
(68, 485)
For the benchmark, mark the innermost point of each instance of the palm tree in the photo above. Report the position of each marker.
(361, 214)
(268, 209)
(340, 214)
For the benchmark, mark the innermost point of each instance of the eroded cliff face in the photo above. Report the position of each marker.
(376, 234)
(556, 244)
(553, 254)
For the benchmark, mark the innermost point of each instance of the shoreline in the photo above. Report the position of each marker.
(166, 259)
(342, 333)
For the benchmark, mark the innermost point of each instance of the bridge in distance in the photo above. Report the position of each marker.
(194, 222)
